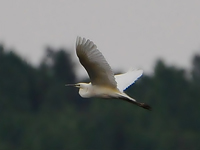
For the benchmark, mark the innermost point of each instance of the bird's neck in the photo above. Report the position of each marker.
(86, 90)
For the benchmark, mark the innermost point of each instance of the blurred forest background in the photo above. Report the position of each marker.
(38, 112)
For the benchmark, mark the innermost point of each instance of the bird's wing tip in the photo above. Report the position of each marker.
(78, 37)
(78, 40)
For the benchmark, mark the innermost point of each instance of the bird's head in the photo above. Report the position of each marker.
(83, 89)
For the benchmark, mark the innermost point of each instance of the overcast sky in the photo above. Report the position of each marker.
(129, 33)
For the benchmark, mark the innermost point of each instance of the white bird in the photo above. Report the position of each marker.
(104, 83)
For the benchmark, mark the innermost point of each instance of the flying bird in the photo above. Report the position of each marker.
(104, 84)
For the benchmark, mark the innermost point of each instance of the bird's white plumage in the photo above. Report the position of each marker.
(127, 79)
(95, 64)
(103, 82)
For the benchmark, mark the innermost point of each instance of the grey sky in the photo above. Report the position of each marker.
(131, 33)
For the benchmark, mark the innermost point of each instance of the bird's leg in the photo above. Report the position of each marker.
(143, 105)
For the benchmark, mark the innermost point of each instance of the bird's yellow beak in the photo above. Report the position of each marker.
(74, 85)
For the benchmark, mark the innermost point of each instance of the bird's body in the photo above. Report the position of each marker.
(104, 84)
(89, 90)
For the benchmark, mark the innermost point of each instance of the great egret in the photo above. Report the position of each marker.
(104, 83)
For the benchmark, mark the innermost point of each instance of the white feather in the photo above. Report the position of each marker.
(127, 79)
(95, 64)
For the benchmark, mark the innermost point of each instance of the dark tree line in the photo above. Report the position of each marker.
(38, 112)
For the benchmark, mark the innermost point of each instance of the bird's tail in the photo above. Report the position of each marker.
(133, 101)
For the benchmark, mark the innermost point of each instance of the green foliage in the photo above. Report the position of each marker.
(39, 113)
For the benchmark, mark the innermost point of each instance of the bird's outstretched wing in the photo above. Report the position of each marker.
(127, 79)
(91, 58)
